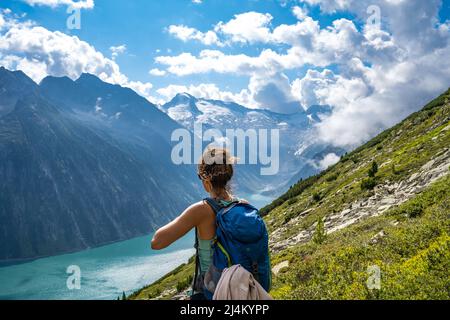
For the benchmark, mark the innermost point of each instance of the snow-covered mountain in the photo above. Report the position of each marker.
(298, 153)
(187, 109)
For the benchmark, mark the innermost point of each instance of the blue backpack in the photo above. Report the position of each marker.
(241, 238)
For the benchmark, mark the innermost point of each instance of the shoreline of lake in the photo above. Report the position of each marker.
(106, 271)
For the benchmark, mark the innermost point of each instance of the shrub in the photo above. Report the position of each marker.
(181, 285)
(333, 177)
(414, 209)
(355, 160)
(368, 184)
(394, 170)
(373, 170)
(317, 196)
(320, 234)
(439, 101)
(281, 293)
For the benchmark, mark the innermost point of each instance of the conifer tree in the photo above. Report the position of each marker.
(320, 234)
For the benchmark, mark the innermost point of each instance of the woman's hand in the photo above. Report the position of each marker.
(190, 218)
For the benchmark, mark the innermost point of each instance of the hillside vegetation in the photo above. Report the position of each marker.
(385, 206)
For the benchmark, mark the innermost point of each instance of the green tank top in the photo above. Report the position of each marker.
(205, 247)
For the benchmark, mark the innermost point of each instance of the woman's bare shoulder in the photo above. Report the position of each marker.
(200, 207)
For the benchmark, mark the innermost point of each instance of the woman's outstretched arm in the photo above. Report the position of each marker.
(174, 230)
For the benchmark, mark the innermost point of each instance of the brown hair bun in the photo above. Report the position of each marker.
(216, 166)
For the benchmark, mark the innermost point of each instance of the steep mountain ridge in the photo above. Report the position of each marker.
(13, 86)
(73, 179)
(110, 103)
(385, 206)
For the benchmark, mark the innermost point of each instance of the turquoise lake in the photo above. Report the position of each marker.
(106, 271)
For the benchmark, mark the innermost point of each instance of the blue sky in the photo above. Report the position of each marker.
(310, 51)
(141, 25)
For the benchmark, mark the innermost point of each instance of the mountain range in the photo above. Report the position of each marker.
(83, 163)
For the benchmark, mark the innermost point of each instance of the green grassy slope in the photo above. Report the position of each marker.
(412, 253)
(168, 286)
(386, 204)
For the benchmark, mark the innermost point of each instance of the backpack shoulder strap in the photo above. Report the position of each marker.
(197, 264)
(214, 205)
(217, 206)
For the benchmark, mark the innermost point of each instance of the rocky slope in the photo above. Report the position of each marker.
(386, 205)
(384, 197)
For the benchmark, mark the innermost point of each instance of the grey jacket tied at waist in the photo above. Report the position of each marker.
(236, 283)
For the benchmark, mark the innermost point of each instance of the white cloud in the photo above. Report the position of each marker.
(309, 45)
(268, 86)
(62, 54)
(331, 6)
(312, 88)
(142, 88)
(407, 66)
(40, 52)
(329, 160)
(412, 23)
(185, 34)
(327, 88)
(172, 90)
(274, 93)
(248, 27)
(300, 13)
(381, 97)
(82, 4)
(8, 19)
(197, 1)
(2, 21)
(117, 50)
(157, 72)
(217, 61)
(381, 75)
(304, 37)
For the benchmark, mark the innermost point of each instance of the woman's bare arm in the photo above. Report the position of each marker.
(174, 230)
